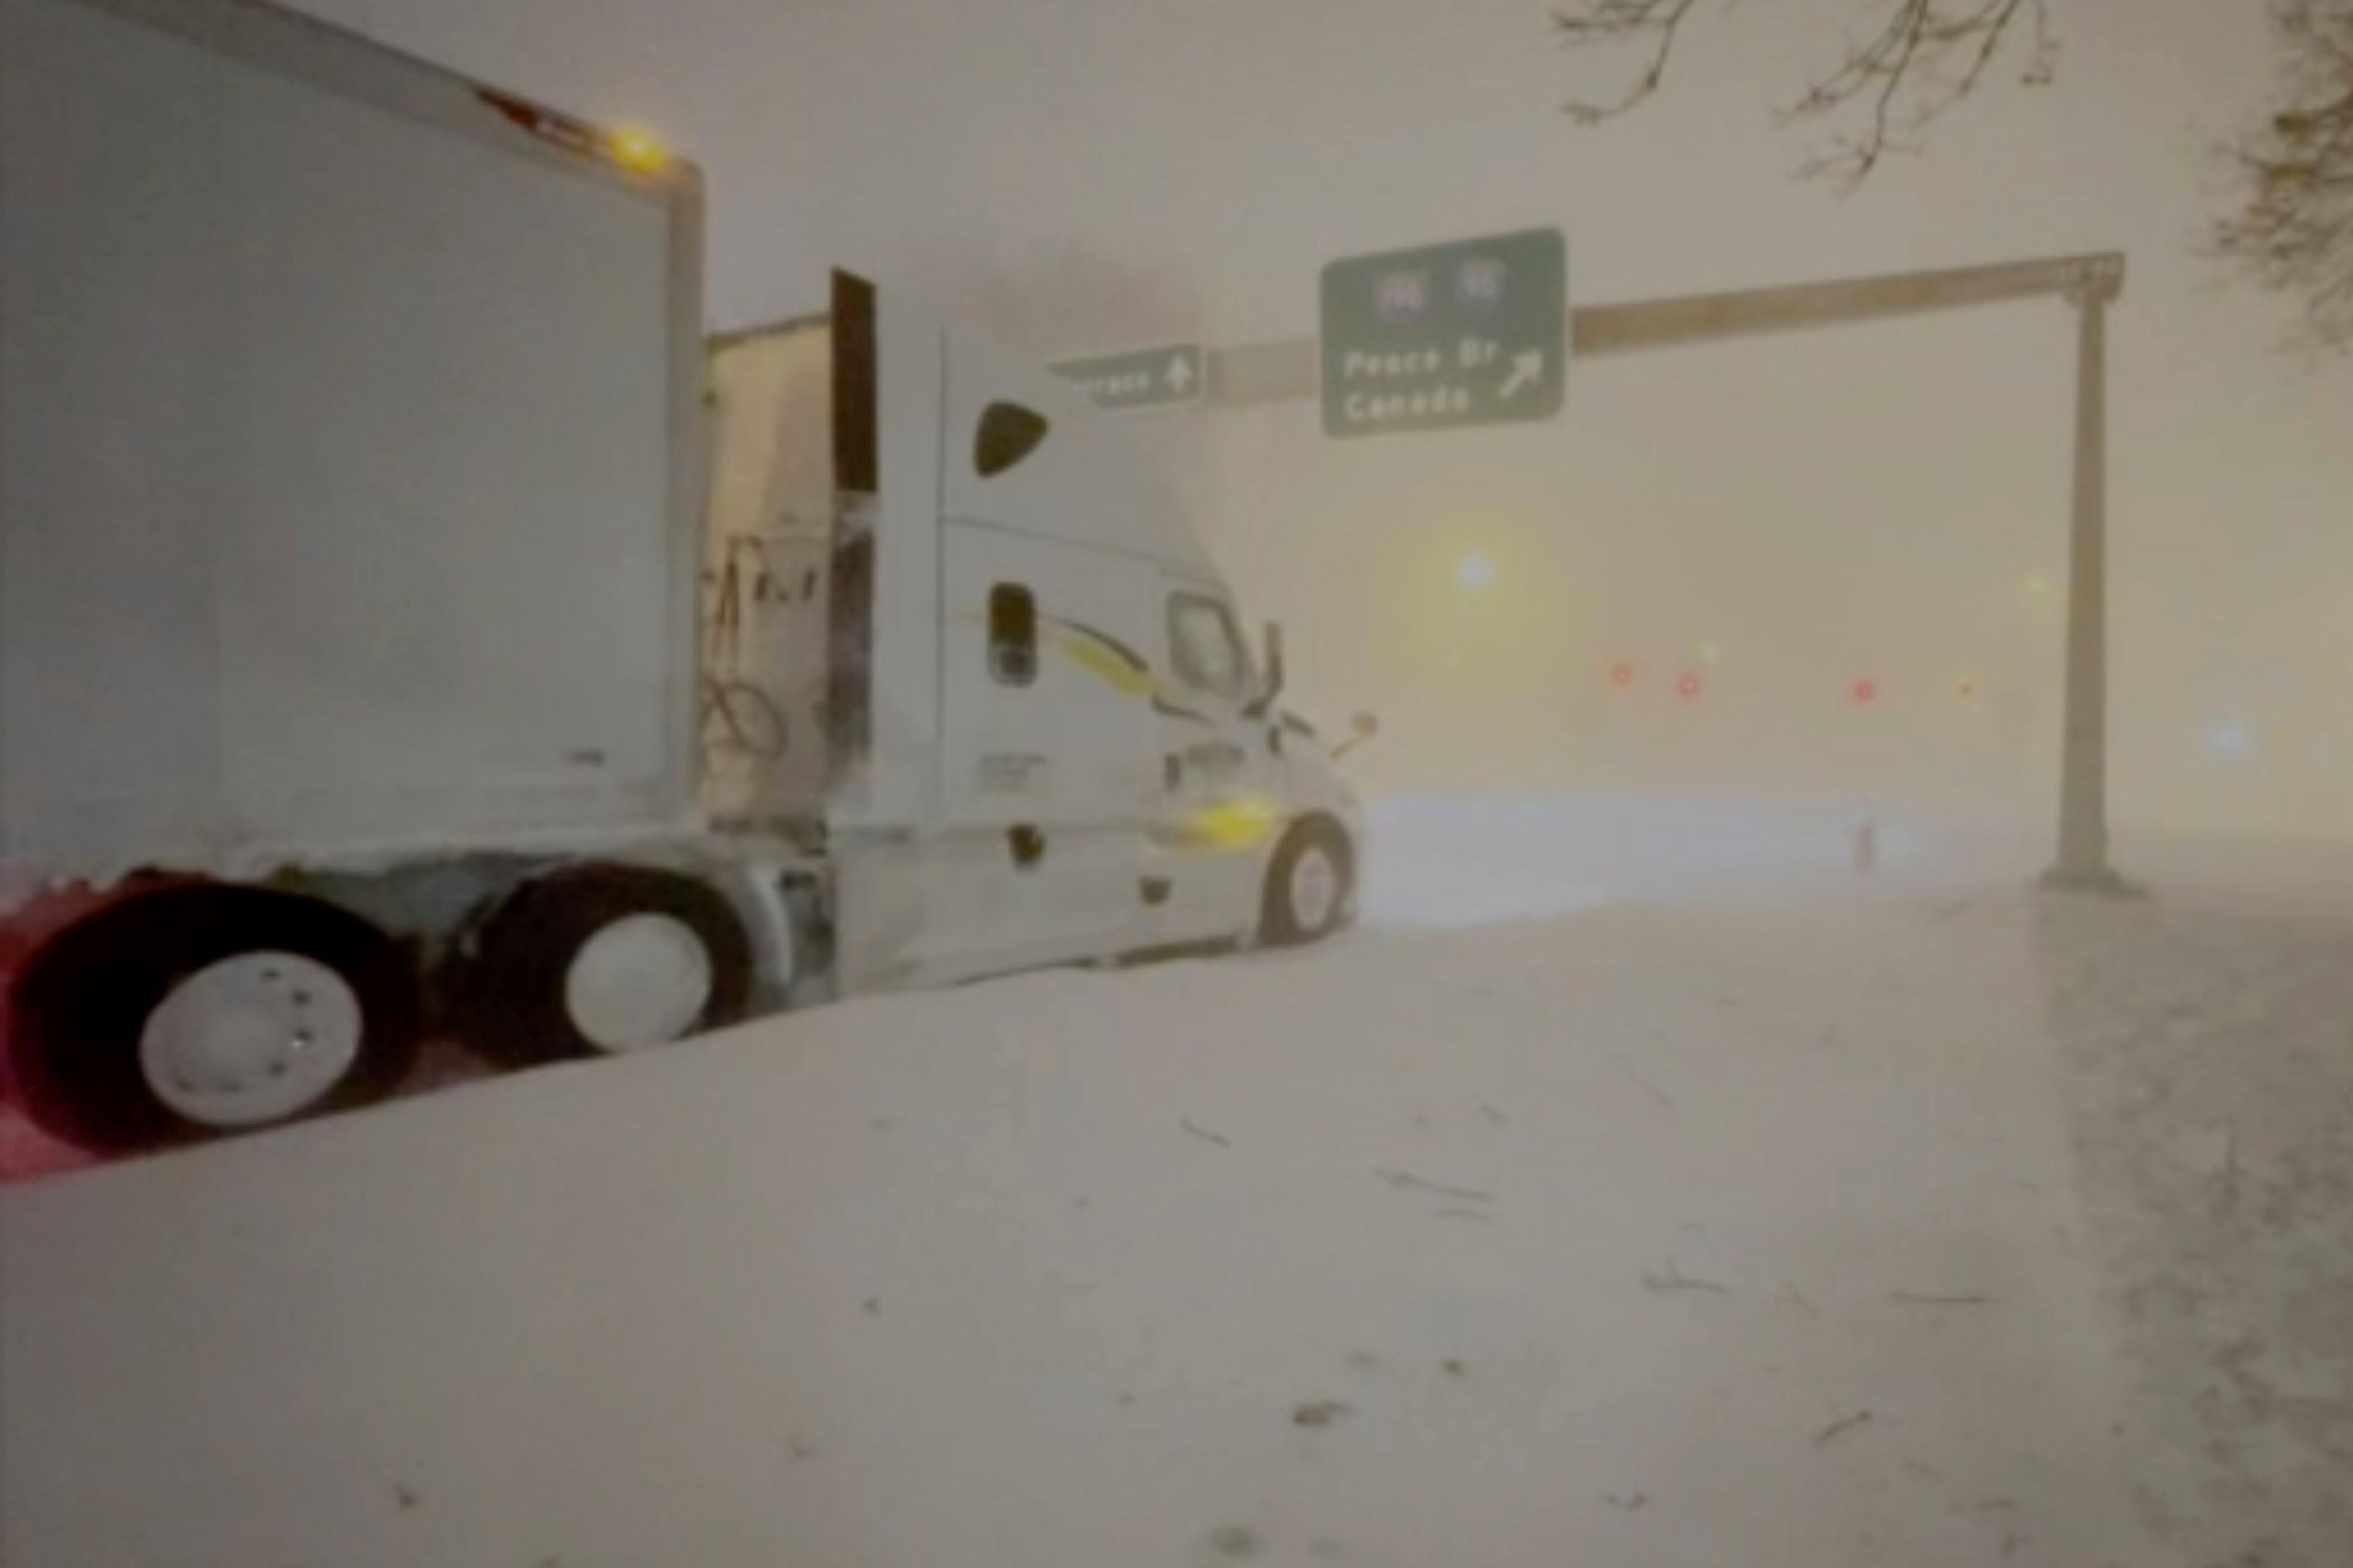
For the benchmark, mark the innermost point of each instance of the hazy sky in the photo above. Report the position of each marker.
(1872, 503)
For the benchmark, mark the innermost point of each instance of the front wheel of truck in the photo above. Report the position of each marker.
(201, 1010)
(1310, 884)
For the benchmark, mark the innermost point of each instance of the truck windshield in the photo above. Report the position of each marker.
(1207, 650)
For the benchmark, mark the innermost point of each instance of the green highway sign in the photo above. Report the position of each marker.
(1129, 383)
(1474, 332)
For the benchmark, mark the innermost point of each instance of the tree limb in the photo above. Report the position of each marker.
(1925, 57)
(2293, 229)
(1614, 22)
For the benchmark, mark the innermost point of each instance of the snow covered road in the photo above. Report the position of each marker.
(1443, 863)
(1733, 1235)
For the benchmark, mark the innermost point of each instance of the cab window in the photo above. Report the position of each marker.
(1208, 655)
(1012, 635)
(1007, 434)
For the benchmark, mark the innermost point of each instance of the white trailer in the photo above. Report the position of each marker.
(419, 626)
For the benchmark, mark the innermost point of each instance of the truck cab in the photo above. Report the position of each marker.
(1047, 735)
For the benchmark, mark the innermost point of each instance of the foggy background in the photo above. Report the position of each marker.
(1781, 517)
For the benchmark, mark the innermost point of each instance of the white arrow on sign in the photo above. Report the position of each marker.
(1180, 375)
(1525, 368)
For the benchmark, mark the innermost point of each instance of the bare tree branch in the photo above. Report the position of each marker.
(2290, 226)
(2293, 232)
(1609, 22)
(1889, 60)
(1925, 57)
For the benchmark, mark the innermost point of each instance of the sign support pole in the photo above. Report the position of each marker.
(2083, 861)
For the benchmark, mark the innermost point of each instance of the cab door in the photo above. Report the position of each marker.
(1048, 766)
(1220, 800)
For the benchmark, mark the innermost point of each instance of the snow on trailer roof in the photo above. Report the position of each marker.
(758, 330)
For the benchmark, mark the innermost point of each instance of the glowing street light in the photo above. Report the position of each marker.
(2231, 738)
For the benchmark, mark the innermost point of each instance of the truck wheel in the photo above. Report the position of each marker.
(1309, 884)
(205, 1010)
(605, 960)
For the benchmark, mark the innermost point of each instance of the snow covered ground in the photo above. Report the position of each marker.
(2206, 1042)
(1443, 863)
(1764, 1219)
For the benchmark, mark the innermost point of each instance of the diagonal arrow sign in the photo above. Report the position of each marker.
(1527, 370)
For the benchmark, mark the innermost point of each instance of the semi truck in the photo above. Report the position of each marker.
(416, 627)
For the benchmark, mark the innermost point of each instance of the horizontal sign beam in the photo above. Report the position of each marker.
(1702, 318)
(1284, 371)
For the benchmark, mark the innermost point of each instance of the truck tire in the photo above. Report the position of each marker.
(604, 961)
(202, 1010)
(1310, 884)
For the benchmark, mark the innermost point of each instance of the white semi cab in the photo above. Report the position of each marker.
(416, 625)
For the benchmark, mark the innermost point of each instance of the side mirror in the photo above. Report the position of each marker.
(1362, 728)
(1274, 672)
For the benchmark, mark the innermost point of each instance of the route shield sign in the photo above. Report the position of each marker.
(1139, 379)
(1474, 332)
